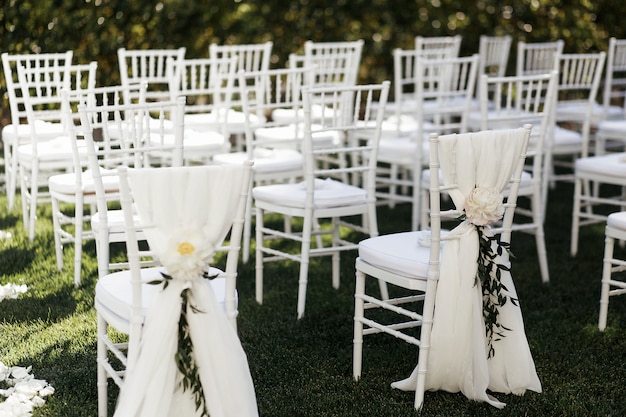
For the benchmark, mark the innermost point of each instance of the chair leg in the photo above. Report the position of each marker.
(607, 263)
(357, 341)
(102, 376)
(575, 217)
(103, 252)
(542, 253)
(336, 258)
(78, 242)
(258, 267)
(32, 207)
(247, 230)
(25, 197)
(56, 222)
(307, 229)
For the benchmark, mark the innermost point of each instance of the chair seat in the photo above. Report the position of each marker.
(115, 224)
(617, 220)
(404, 253)
(202, 121)
(195, 141)
(328, 193)
(113, 298)
(290, 135)
(608, 166)
(57, 149)
(265, 160)
(45, 130)
(566, 141)
(66, 183)
(613, 128)
(237, 121)
(401, 151)
(503, 119)
(285, 116)
(577, 111)
(392, 128)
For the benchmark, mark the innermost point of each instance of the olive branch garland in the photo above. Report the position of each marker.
(184, 358)
(489, 276)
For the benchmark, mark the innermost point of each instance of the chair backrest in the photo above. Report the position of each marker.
(133, 135)
(264, 95)
(614, 89)
(494, 54)
(351, 112)
(538, 57)
(334, 62)
(436, 47)
(491, 159)
(10, 63)
(437, 92)
(41, 93)
(200, 205)
(250, 57)
(148, 65)
(207, 84)
(579, 80)
(106, 134)
(513, 101)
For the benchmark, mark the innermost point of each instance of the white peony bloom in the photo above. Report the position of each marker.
(484, 206)
(187, 255)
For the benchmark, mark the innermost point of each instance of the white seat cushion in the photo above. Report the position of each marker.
(402, 151)
(195, 141)
(290, 136)
(66, 183)
(328, 193)
(615, 129)
(404, 253)
(265, 160)
(617, 220)
(45, 130)
(57, 149)
(611, 165)
(114, 295)
(566, 137)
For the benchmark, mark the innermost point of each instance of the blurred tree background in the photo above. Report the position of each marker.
(95, 29)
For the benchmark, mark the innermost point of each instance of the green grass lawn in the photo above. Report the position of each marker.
(303, 367)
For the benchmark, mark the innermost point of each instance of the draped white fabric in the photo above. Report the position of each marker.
(458, 358)
(185, 207)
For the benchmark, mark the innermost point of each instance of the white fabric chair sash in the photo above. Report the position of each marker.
(186, 209)
(458, 359)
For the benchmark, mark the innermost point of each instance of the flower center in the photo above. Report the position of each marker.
(186, 248)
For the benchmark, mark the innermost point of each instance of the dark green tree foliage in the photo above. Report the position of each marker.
(94, 29)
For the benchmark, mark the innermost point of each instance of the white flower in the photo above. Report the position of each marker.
(47, 390)
(30, 388)
(187, 255)
(11, 291)
(483, 206)
(21, 373)
(4, 371)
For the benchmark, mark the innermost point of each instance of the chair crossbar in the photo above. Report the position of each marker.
(379, 328)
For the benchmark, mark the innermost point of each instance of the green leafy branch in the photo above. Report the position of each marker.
(493, 291)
